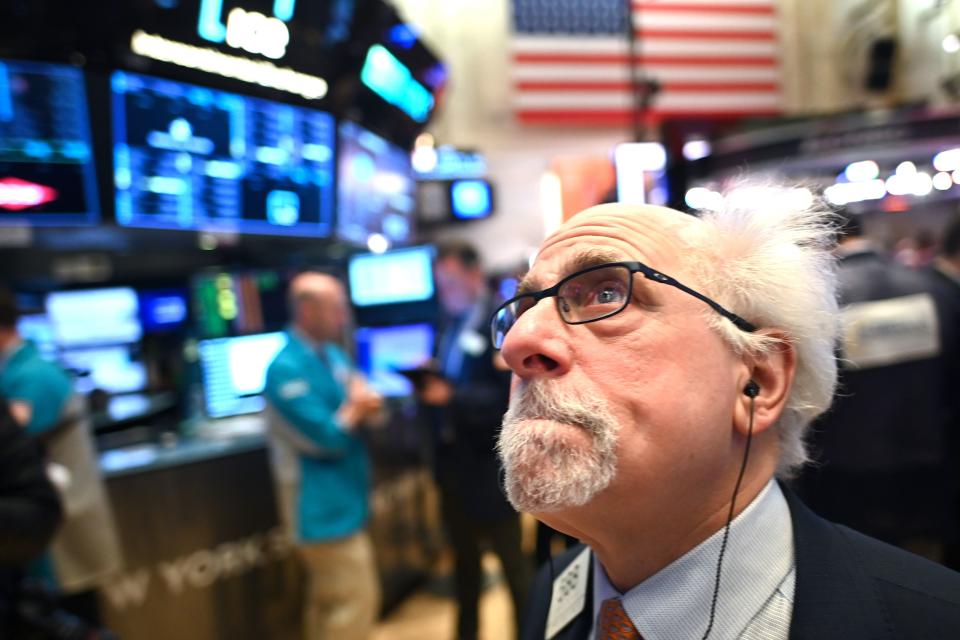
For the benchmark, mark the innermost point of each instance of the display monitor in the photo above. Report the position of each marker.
(375, 187)
(234, 372)
(190, 157)
(641, 169)
(394, 277)
(239, 303)
(382, 351)
(163, 310)
(37, 328)
(471, 199)
(390, 79)
(47, 174)
(114, 369)
(94, 317)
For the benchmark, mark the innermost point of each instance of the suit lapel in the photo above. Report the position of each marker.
(834, 597)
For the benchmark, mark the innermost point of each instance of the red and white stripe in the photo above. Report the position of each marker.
(713, 58)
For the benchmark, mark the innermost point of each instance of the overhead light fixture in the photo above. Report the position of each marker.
(861, 171)
(942, 181)
(696, 149)
(951, 43)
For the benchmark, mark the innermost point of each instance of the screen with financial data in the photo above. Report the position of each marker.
(190, 157)
(47, 173)
(395, 277)
(95, 335)
(227, 303)
(94, 317)
(376, 193)
(115, 369)
(234, 372)
(384, 351)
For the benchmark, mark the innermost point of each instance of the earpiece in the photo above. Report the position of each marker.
(752, 390)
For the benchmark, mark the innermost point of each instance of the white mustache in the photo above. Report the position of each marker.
(538, 400)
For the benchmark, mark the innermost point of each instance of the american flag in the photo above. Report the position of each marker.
(711, 58)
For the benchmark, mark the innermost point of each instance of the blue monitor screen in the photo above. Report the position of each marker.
(36, 328)
(93, 317)
(381, 351)
(376, 190)
(395, 277)
(163, 309)
(188, 157)
(471, 199)
(114, 369)
(234, 372)
(47, 174)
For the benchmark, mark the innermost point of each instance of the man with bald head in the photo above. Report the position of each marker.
(665, 370)
(317, 401)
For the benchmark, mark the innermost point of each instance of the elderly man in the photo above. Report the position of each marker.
(322, 471)
(666, 368)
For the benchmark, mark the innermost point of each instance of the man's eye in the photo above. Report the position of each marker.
(613, 293)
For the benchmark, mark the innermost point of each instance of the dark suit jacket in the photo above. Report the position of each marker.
(849, 587)
(465, 447)
(882, 447)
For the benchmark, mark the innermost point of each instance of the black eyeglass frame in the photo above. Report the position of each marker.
(632, 267)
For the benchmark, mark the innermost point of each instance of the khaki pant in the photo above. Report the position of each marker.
(343, 589)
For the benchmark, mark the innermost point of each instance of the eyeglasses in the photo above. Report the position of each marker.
(592, 294)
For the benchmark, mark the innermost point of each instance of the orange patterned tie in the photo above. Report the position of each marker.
(614, 624)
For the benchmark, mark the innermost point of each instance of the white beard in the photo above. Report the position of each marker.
(546, 468)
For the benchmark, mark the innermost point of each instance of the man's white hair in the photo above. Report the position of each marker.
(773, 265)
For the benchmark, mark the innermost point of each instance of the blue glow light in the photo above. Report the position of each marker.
(283, 9)
(391, 80)
(39, 149)
(508, 288)
(6, 101)
(283, 207)
(402, 35)
(209, 24)
(470, 198)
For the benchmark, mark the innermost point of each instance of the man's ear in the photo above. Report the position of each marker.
(772, 374)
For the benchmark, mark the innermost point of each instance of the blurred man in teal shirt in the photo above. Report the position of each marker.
(38, 390)
(86, 550)
(322, 471)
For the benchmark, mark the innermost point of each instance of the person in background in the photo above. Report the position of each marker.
(318, 402)
(86, 550)
(30, 512)
(469, 398)
(882, 461)
(917, 250)
(666, 369)
(945, 273)
(947, 263)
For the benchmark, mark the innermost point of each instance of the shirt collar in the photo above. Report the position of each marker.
(674, 604)
(310, 343)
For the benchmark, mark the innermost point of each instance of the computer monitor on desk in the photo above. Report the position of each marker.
(234, 372)
(94, 317)
(113, 369)
(383, 351)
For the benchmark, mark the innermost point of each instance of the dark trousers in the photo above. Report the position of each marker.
(466, 534)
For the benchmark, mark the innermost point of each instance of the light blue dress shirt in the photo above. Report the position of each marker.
(756, 589)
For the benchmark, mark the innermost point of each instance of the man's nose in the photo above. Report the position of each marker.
(536, 345)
